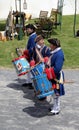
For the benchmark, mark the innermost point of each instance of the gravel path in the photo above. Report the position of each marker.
(20, 110)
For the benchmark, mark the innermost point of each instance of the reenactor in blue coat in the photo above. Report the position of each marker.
(55, 74)
(40, 50)
(31, 31)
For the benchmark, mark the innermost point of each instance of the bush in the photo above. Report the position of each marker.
(46, 24)
(2, 26)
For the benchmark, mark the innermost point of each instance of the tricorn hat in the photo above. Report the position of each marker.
(31, 26)
(38, 38)
(54, 41)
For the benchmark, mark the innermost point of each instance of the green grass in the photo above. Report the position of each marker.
(69, 43)
(8, 53)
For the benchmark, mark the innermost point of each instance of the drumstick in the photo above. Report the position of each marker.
(41, 60)
(33, 67)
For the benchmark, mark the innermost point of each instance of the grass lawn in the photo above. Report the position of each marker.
(69, 43)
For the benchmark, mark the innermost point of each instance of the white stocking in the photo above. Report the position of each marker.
(56, 106)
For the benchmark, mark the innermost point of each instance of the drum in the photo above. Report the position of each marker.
(38, 69)
(42, 86)
(21, 65)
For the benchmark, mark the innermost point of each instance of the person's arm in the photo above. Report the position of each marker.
(58, 64)
(30, 46)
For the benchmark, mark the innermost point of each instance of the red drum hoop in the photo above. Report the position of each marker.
(21, 65)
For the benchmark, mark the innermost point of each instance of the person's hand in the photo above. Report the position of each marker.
(41, 59)
(32, 63)
(46, 59)
(21, 50)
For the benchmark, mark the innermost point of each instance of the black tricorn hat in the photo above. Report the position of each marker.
(54, 41)
(31, 26)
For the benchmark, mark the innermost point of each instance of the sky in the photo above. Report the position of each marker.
(34, 7)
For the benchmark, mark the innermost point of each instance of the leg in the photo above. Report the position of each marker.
(28, 81)
(56, 106)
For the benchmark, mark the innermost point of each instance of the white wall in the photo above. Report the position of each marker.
(34, 6)
(69, 7)
(5, 7)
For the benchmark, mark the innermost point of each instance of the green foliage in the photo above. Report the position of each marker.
(2, 25)
(45, 24)
(8, 51)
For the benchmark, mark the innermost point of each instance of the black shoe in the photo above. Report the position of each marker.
(30, 86)
(42, 99)
(49, 109)
(52, 113)
(26, 84)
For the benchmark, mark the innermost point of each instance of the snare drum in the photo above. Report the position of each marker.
(42, 86)
(38, 69)
(21, 65)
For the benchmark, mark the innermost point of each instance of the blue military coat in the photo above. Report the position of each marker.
(56, 62)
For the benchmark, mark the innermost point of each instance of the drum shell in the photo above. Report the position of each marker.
(24, 65)
(42, 86)
(38, 69)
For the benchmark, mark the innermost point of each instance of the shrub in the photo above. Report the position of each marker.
(2, 26)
